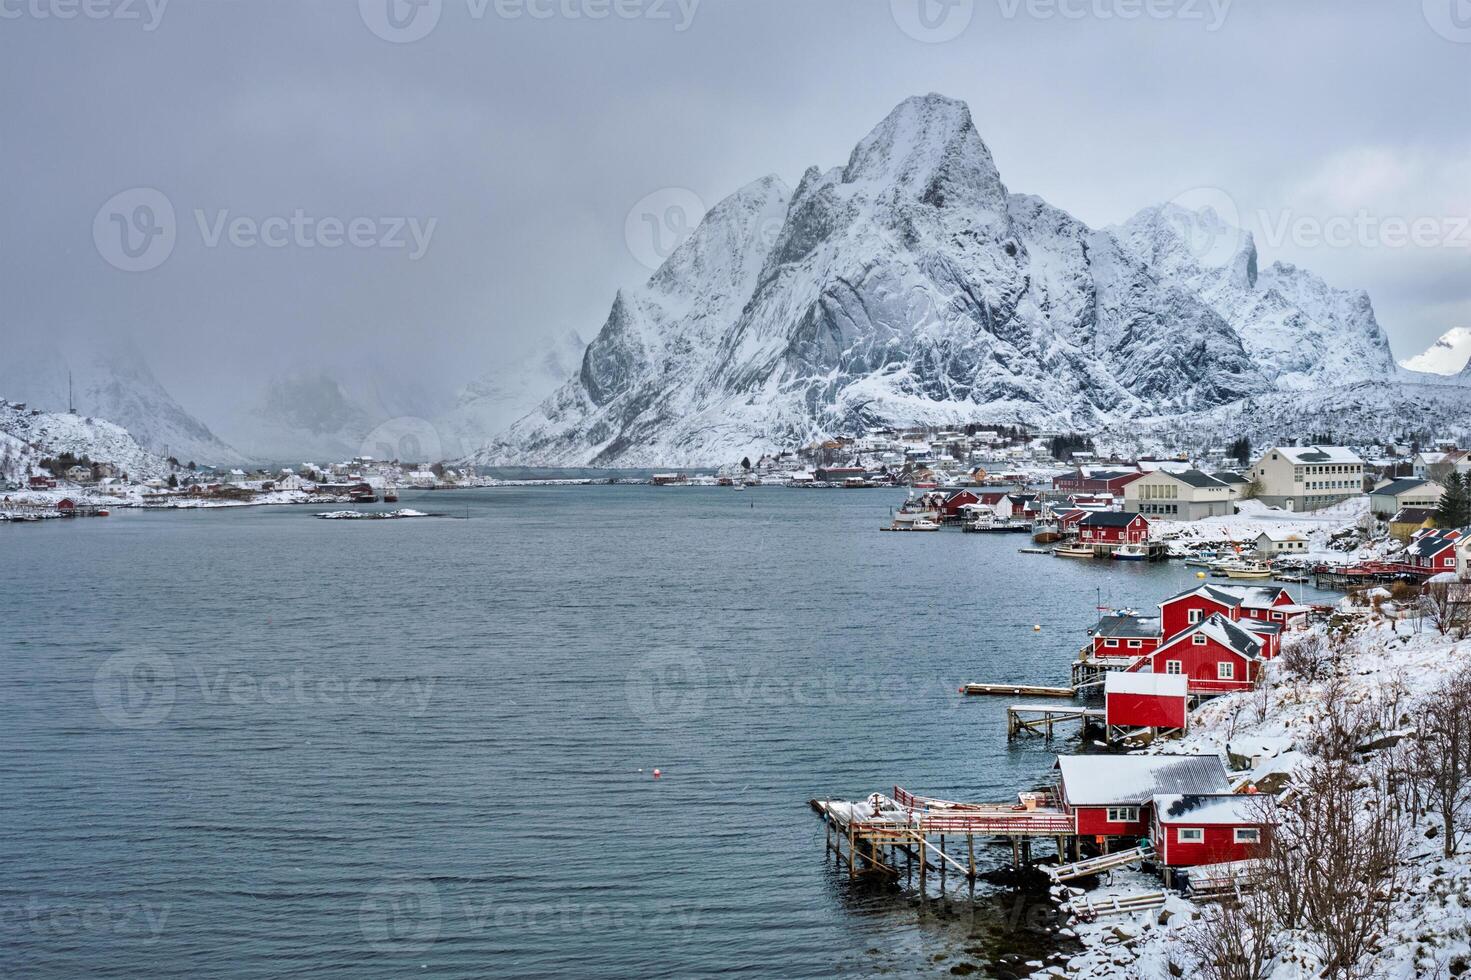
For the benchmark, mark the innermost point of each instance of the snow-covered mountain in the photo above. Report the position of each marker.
(308, 416)
(29, 435)
(907, 286)
(110, 379)
(1450, 354)
(1300, 332)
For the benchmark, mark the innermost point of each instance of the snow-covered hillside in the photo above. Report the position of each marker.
(29, 436)
(910, 287)
(111, 380)
(1449, 355)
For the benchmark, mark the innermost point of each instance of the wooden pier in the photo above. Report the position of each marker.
(1018, 690)
(1040, 719)
(879, 836)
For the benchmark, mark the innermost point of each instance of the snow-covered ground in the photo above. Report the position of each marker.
(1430, 920)
(1319, 527)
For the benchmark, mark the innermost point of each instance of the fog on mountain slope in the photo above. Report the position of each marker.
(910, 287)
(109, 379)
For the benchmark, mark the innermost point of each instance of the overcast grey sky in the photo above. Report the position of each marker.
(526, 130)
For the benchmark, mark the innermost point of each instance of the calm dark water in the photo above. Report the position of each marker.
(250, 743)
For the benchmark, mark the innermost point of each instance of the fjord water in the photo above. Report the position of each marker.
(250, 743)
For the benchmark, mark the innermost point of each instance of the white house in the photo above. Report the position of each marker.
(1271, 544)
(1188, 495)
(1307, 477)
(1393, 496)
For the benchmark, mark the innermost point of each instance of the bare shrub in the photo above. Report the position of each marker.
(1443, 607)
(1232, 940)
(1441, 753)
(1306, 657)
(1335, 865)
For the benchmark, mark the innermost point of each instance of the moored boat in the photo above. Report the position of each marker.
(1072, 551)
(1132, 552)
(1249, 570)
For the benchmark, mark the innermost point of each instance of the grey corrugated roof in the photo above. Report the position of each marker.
(1110, 780)
(1232, 479)
(1195, 478)
(1402, 485)
(1123, 625)
(1108, 518)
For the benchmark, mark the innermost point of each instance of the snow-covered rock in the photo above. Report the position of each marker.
(906, 286)
(910, 287)
(30, 435)
(1449, 355)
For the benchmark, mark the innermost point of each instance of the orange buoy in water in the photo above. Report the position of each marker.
(1200, 574)
(657, 774)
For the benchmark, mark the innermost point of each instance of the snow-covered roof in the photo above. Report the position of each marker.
(1280, 537)
(1431, 542)
(1158, 685)
(1251, 596)
(1225, 632)
(1103, 780)
(1210, 808)
(1319, 454)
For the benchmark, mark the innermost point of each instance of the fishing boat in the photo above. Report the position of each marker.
(1046, 534)
(924, 525)
(1250, 569)
(390, 494)
(1072, 551)
(1131, 552)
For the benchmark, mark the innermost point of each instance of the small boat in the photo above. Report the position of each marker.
(103, 513)
(1072, 551)
(739, 487)
(924, 525)
(1132, 552)
(1252, 569)
(390, 495)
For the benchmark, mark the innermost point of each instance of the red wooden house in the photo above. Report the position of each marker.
(42, 483)
(1133, 700)
(1125, 636)
(1264, 609)
(1433, 550)
(958, 499)
(1113, 527)
(1113, 795)
(1068, 519)
(1192, 829)
(1214, 656)
(1092, 480)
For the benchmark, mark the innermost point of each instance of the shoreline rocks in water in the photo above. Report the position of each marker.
(377, 515)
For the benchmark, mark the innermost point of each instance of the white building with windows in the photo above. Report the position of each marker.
(1307, 477)
(1182, 496)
